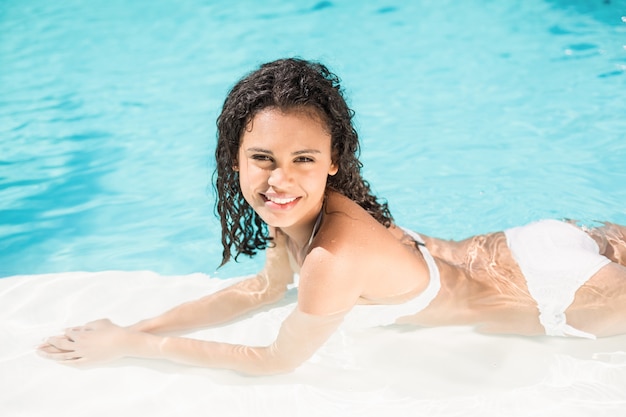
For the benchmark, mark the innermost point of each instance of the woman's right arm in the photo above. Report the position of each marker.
(267, 287)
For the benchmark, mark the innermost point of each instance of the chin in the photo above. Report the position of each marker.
(271, 220)
(281, 224)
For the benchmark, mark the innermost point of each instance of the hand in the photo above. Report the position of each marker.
(96, 342)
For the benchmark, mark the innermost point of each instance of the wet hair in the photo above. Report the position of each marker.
(285, 84)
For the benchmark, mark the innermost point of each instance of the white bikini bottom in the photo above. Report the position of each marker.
(556, 259)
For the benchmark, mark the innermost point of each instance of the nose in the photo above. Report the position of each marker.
(278, 177)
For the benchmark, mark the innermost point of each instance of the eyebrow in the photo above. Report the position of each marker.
(300, 152)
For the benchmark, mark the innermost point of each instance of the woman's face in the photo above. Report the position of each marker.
(284, 160)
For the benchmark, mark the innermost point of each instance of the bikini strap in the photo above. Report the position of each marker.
(316, 227)
(386, 314)
(434, 283)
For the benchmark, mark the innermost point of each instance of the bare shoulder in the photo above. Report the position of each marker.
(349, 230)
(329, 277)
(348, 257)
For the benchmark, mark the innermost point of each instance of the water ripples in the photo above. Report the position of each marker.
(473, 117)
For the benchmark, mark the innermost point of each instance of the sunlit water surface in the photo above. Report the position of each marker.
(474, 116)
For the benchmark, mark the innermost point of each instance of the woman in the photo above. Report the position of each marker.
(288, 182)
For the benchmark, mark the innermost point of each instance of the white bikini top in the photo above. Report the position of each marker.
(434, 284)
(386, 314)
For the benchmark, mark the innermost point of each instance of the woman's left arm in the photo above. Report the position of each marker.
(329, 287)
(300, 335)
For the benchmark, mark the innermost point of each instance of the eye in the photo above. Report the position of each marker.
(304, 159)
(262, 157)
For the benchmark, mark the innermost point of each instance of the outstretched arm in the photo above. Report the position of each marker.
(300, 335)
(267, 287)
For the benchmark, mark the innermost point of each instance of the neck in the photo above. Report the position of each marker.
(300, 238)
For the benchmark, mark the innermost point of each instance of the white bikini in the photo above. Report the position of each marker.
(386, 314)
(556, 258)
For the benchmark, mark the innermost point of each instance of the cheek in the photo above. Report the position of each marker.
(245, 186)
(315, 180)
(251, 176)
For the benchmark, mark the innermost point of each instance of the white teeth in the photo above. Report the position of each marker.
(277, 200)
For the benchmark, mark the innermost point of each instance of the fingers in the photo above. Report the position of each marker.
(62, 343)
(58, 348)
(54, 352)
(59, 356)
(48, 348)
(72, 346)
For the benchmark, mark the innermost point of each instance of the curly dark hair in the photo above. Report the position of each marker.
(284, 84)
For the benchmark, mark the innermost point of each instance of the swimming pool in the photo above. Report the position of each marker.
(474, 116)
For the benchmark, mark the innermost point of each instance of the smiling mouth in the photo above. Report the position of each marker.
(278, 200)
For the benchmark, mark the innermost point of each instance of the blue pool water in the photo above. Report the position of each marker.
(474, 116)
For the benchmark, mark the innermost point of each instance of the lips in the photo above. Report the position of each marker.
(280, 202)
